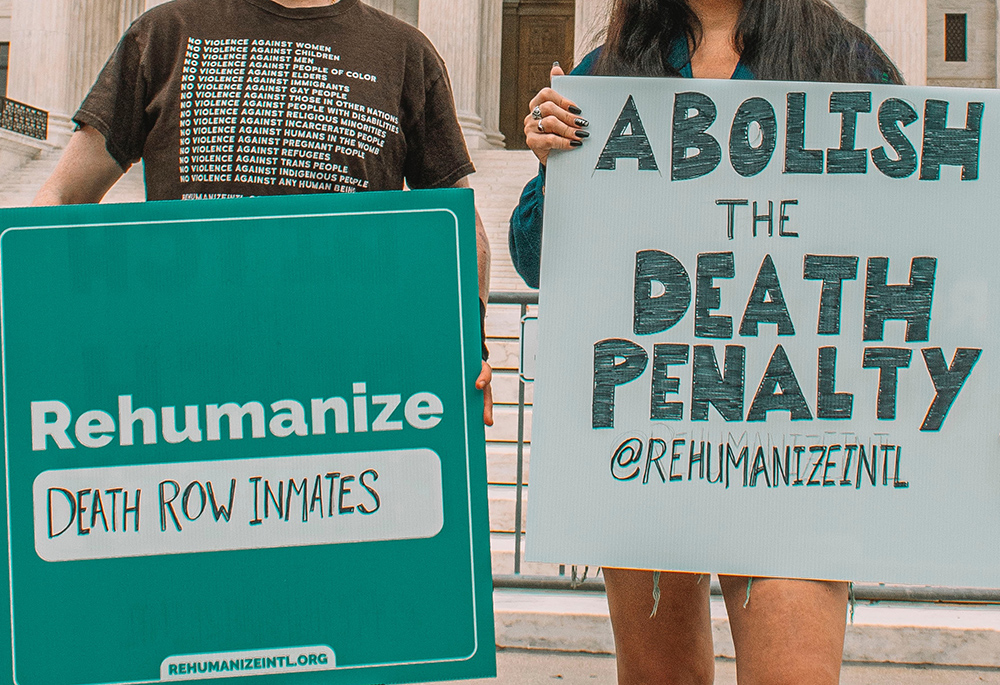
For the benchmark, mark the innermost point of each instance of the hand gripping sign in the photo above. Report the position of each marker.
(242, 439)
(768, 333)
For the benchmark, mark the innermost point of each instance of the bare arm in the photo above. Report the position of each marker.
(85, 172)
(483, 253)
(482, 250)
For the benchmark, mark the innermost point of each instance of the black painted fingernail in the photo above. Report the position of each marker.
(581, 122)
(576, 143)
(556, 63)
(574, 109)
(582, 134)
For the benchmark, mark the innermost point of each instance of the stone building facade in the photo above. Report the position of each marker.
(497, 50)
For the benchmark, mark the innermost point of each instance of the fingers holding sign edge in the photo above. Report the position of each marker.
(484, 383)
(553, 122)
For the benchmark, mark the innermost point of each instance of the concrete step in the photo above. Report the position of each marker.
(503, 505)
(505, 388)
(502, 557)
(540, 667)
(884, 632)
(18, 188)
(505, 353)
(504, 428)
(130, 188)
(504, 320)
(20, 185)
(501, 463)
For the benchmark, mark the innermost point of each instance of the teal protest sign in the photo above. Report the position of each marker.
(242, 440)
(768, 333)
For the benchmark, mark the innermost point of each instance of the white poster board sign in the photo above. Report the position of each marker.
(769, 333)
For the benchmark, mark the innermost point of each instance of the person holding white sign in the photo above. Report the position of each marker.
(784, 630)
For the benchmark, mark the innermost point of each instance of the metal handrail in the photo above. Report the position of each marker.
(24, 119)
(523, 299)
(863, 592)
(514, 297)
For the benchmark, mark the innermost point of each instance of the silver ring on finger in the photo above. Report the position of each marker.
(541, 126)
(536, 113)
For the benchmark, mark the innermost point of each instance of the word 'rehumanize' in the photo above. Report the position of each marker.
(97, 428)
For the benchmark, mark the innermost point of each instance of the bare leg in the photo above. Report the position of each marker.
(672, 647)
(790, 633)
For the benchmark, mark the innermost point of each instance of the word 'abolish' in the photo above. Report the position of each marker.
(695, 113)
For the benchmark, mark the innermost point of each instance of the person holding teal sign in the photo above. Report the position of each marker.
(784, 630)
(235, 98)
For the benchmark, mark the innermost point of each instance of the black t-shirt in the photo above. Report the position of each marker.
(227, 98)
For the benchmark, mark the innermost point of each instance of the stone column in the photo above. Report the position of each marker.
(454, 27)
(590, 23)
(130, 11)
(407, 10)
(95, 29)
(5, 11)
(900, 27)
(40, 45)
(387, 6)
(854, 10)
(57, 50)
(488, 96)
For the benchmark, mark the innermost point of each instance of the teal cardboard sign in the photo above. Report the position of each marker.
(242, 440)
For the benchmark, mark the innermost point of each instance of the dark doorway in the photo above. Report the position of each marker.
(536, 33)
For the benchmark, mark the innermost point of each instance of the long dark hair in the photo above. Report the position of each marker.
(795, 40)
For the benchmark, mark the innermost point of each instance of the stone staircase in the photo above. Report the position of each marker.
(906, 632)
(19, 186)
